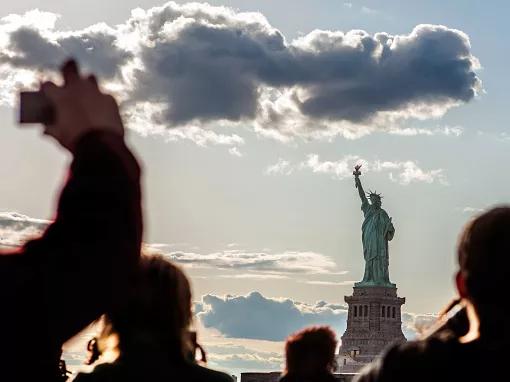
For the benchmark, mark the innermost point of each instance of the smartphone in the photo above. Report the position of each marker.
(35, 107)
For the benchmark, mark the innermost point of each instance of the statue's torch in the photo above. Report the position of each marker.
(356, 174)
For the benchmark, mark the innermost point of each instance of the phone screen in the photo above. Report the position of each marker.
(35, 107)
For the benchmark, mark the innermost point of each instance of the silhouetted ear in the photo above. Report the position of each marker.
(460, 282)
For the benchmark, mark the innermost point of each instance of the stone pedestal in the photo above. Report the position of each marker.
(374, 322)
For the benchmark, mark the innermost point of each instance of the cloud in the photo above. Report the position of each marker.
(95, 49)
(256, 276)
(454, 131)
(409, 172)
(16, 228)
(414, 324)
(196, 65)
(341, 169)
(367, 10)
(32, 42)
(237, 67)
(263, 263)
(330, 283)
(402, 172)
(232, 357)
(235, 152)
(257, 317)
(201, 136)
(281, 167)
(472, 210)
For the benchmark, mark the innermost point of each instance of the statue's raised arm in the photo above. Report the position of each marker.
(357, 183)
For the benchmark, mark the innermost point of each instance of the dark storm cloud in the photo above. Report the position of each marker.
(96, 51)
(207, 73)
(213, 67)
(385, 73)
(193, 64)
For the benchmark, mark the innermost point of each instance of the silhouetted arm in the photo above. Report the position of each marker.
(83, 262)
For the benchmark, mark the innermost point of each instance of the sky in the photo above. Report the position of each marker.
(248, 117)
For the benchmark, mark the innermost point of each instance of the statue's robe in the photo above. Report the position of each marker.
(377, 229)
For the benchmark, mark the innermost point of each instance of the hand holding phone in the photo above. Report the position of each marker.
(71, 110)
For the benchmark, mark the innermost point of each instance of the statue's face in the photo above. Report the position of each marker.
(375, 200)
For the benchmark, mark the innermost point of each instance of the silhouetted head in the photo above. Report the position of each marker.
(311, 351)
(157, 313)
(484, 261)
(375, 199)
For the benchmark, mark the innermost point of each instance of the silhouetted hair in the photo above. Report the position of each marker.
(158, 312)
(311, 350)
(484, 260)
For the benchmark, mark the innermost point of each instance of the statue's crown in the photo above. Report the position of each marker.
(374, 193)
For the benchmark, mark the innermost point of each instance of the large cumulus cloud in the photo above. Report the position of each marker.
(202, 66)
(205, 64)
(255, 316)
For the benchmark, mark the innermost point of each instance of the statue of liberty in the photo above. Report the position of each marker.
(377, 230)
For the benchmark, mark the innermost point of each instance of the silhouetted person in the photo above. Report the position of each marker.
(460, 350)
(152, 331)
(310, 355)
(97, 230)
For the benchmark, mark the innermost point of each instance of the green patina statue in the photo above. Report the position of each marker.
(377, 230)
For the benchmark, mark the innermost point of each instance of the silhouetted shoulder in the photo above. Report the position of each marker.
(400, 362)
(103, 372)
(437, 358)
(119, 371)
(327, 377)
(201, 373)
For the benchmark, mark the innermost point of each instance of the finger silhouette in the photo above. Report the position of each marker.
(70, 71)
(51, 90)
(93, 80)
